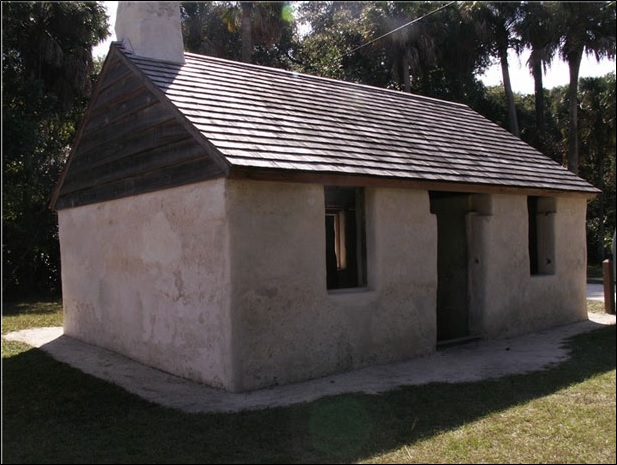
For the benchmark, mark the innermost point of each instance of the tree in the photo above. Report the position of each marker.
(597, 131)
(47, 75)
(461, 55)
(411, 48)
(437, 55)
(495, 22)
(207, 29)
(584, 28)
(537, 32)
(253, 32)
(246, 22)
(52, 42)
(336, 30)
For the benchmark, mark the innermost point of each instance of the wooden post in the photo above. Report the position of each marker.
(609, 286)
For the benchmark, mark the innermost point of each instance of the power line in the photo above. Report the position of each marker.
(394, 30)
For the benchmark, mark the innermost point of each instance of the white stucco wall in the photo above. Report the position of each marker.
(505, 298)
(224, 282)
(148, 276)
(287, 326)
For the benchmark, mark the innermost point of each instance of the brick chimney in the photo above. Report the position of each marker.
(151, 29)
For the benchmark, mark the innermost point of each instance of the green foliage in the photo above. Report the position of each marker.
(336, 29)
(461, 55)
(215, 29)
(437, 56)
(47, 76)
(597, 150)
(207, 30)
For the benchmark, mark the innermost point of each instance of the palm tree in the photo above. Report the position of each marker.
(205, 30)
(585, 28)
(246, 29)
(413, 48)
(597, 140)
(261, 23)
(538, 34)
(495, 22)
(235, 30)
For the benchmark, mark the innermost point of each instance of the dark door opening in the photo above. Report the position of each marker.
(452, 266)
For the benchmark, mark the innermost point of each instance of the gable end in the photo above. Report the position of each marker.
(131, 142)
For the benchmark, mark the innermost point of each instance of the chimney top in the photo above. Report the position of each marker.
(151, 29)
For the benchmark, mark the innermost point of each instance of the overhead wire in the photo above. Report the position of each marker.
(394, 30)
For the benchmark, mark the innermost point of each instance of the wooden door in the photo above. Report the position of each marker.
(452, 264)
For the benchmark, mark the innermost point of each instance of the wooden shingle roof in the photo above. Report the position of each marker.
(271, 122)
(269, 118)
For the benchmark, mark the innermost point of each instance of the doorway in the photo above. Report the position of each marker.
(451, 209)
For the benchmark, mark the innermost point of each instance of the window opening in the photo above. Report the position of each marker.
(541, 220)
(345, 237)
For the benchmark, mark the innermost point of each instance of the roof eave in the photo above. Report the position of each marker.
(359, 180)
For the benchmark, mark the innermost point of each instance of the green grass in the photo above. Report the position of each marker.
(22, 315)
(53, 413)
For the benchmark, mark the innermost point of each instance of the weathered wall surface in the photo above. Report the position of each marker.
(148, 277)
(505, 298)
(287, 326)
(224, 282)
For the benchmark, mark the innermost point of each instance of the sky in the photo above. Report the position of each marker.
(556, 75)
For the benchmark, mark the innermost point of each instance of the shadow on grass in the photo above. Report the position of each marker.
(56, 414)
(34, 307)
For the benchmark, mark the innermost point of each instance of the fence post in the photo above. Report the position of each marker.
(609, 286)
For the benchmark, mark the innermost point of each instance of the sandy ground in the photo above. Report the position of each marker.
(471, 362)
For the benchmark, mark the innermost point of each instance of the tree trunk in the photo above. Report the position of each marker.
(574, 63)
(603, 165)
(512, 119)
(539, 102)
(603, 214)
(246, 31)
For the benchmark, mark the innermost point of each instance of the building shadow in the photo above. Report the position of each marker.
(50, 400)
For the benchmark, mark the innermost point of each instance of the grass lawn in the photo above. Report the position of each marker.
(53, 413)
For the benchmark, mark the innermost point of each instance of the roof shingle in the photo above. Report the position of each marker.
(153, 125)
(270, 118)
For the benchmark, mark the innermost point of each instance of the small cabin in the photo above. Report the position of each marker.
(243, 226)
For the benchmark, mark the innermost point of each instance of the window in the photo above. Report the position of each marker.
(541, 213)
(345, 237)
